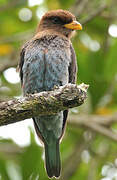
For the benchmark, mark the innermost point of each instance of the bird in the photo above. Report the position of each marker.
(48, 60)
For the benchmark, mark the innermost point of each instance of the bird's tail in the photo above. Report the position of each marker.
(52, 159)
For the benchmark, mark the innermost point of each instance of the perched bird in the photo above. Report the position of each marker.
(49, 60)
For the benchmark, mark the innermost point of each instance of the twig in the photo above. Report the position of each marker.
(73, 161)
(94, 166)
(105, 120)
(96, 125)
(78, 7)
(102, 130)
(12, 61)
(10, 148)
(22, 36)
(94, 14)
(11, 4)
(49, 102)
(7, 64)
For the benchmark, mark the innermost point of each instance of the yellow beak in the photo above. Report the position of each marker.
(74, 25)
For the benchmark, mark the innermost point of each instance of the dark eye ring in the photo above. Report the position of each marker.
(56, 20)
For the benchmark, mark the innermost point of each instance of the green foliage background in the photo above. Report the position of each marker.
(98, 68)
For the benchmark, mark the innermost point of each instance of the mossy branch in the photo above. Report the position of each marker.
(49, 102)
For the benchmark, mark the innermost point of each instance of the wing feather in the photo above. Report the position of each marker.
(72, 78)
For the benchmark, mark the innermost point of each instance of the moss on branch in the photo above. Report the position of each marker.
(49, 102)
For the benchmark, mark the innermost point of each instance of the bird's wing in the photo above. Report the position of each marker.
(72, 78)
(31, 67)
(73, 67)
(21, 62)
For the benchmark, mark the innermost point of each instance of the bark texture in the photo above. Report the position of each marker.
(49, 102)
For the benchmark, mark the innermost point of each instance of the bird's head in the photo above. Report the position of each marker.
(59, 21)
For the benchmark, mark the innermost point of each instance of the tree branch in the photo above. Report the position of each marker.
(99, 124)
(78, 7)
(93, 14)
(22, 36)
(11, 4)
(12, 61)
(105, 120)
(48, 102)
(74, 160)
(7, 64)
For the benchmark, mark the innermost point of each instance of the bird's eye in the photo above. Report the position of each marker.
(56, 20)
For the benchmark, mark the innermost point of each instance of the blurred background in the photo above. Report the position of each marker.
(89, 147)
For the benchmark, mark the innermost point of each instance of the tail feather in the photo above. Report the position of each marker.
(52, 159)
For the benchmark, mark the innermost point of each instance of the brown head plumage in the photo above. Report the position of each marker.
(59, 21)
